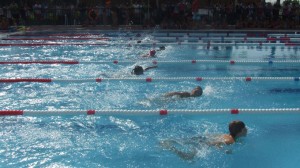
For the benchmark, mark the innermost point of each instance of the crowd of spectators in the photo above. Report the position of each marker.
(169, 14)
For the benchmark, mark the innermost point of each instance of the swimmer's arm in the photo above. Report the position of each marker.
(150, 68)
(184, 155)
(145, 55)
(217, 144)
(220, 145)
(169, 145)
(171, 94)
(180, 94)
(148, 55)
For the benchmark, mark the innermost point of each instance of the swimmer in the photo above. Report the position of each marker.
(237, 129)
(161, 48)
(153, 52)
(138, 70)
(196, 92)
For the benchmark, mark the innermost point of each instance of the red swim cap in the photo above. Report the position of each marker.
(152, 53)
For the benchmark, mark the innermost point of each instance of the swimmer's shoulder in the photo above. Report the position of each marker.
(219, 140)
(227, 139)
(185, 94)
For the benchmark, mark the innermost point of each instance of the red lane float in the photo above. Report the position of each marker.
(199, 79)
(64, 35)
(292, 44)
(53, 39)
(234, 111)
(284, 39)
(248, 79)
(91, 112)
(39, 62)
(11, 112)
(25, 80)
(71, 35)
(163, 112)
(47, 44)
(148, 79)
(271, 39)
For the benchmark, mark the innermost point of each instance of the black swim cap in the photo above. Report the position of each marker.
(138, 70)
(197, 92)
(236, 127)
(162, 47)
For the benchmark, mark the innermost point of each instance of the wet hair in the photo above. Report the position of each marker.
(137, 70)
(236, 127)
(197, 92)
(162, 47)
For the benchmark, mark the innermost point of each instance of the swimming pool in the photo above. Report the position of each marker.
(235, 73)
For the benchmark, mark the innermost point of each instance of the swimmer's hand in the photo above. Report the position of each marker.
(166, 144)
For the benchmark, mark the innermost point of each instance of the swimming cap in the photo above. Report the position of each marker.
(197, 91)
(138, 70)
(152, 53)
(236, 127)
(162, 47)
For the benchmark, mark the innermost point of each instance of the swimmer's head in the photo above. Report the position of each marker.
(197, 92)
(139, 41)
(162, 47)
(152, 53)
(138, 70)
(237, 129)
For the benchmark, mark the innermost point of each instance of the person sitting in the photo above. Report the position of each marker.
(138, 70)
(93, 16)
(196, 92)
(236, 128)
(4, 24)
(153, 52)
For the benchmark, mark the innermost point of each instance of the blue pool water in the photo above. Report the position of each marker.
(133, 141)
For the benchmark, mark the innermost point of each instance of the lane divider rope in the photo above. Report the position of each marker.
(47, 44)
(170, 34)
(268, 39)
(154, 62)
(53, 39)
(64, 35)
(144, 112)
(148, 79)
(154, 44)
